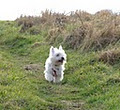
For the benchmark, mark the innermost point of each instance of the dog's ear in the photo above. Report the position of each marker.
(60, 47)
(52, 51)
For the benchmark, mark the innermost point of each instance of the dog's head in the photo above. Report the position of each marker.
(57, 56)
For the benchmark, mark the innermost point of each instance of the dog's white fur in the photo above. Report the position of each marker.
(54, 66)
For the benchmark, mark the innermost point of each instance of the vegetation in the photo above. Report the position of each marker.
(92, 75)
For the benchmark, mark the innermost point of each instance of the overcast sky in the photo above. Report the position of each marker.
(11, 9)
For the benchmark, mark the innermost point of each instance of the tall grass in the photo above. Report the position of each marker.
(77, 29)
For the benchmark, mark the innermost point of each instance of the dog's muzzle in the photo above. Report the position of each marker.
(61, 60)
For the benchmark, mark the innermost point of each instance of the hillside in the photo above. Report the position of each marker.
(92, 75)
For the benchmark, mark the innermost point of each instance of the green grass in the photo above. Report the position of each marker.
(87, 84)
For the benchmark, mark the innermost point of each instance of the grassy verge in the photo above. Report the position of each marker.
(88, 83)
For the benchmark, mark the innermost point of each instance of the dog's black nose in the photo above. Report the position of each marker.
(62, 58)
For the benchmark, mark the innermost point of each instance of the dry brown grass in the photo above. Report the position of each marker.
(52, 34)
(75, 38)
(47, 18)
(78, 29)
(111, 56)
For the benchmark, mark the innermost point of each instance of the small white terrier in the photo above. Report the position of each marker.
(54, 65)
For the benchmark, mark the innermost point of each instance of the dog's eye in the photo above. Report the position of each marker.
(58, 55)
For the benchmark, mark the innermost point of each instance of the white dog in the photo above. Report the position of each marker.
(54, 65)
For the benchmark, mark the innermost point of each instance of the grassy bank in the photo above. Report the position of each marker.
(92, 75)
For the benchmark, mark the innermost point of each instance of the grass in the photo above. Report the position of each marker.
(88, 84)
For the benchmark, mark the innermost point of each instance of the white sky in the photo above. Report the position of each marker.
(11, 9)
